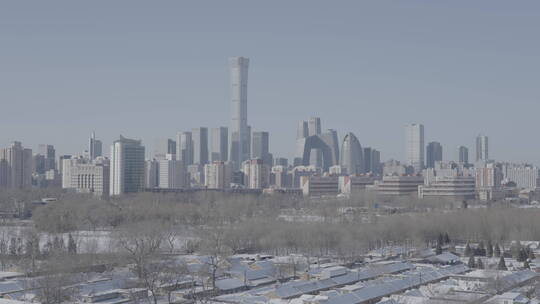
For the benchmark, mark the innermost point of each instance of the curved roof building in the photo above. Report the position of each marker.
(352, 154)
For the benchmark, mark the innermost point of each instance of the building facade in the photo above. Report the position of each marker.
(414, 134)
(239, 137)
(127, 166)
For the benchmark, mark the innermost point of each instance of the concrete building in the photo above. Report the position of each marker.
(327, 143)
(482, 148)
(16, 163)
(164, 146)
(280, 177)
(434, 153)
(88, 176)
(219, 144)
(299, 171)
(218, 175)
(127, 166)
(95, 147)
(196, 175)
(200, 145)
(488, 176)
(172, 174)
(463, 155)
(256, 174)
(151, 174)
(399, 185)
(320, 186)
(524, 176)
(260, 147)
(414, 134)
(354, 184)
(239, 137)
(352, 155)
(394, 167)
(455, 187)
(184, 148)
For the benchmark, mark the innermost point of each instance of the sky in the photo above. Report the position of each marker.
(148, 69)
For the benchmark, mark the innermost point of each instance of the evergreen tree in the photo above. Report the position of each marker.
(497, 251)
(479, 263)
(468, 251)
(481, 249)
(438, 249)
(440, 239)
(471, 263)
(72, 246)
(517, 250)
(489, 249)
(446, 238)
(522, 255)
(13, 246)
(502, 264)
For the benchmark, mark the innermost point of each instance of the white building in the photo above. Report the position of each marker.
(127, 166)
(414, 134)
(257, 175)
(16, 166)
(89, 176)
(452, 187)
(525, 177)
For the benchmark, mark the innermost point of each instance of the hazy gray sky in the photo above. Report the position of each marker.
(147, 69)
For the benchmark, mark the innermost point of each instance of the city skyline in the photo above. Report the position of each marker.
(285, 85)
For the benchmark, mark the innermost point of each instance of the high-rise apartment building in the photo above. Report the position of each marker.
(95, 147)
(463, 155)
(218, 175)
(482, 148)
(434, 153)
(200, 145)
(172, 174)
(184, 148)
(239, 137)
(127, 166)
(414, 134)
(260, 147)
(16, 166)
(219, 144)
(256, 174)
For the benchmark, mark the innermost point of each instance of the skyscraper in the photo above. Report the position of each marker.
(482, 148)
(127, 166)
(200, 145)
(172, 174)
(414, 134)
(49, 154)
(303, 130)
(219, 144)
(463, 155)
(434, 153)
(352, 158)
(261, 147)
(315, 128)
(239, 137)
(164, 146)
(184, 148)
(94, 147)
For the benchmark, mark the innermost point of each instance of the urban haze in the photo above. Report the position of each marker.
(234, 152)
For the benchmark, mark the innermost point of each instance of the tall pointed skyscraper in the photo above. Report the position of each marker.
(239, 136)
(94, 147)
(414, 134)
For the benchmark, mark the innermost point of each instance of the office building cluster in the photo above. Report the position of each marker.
(238, 158)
